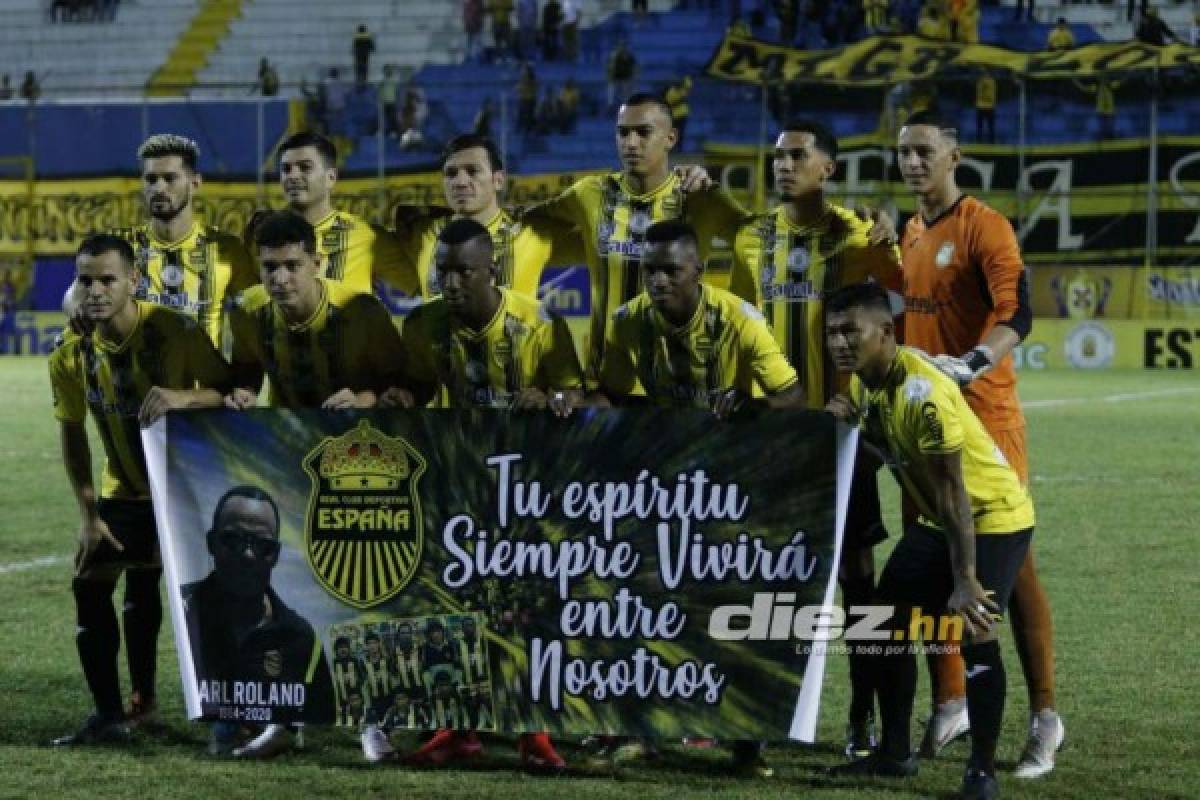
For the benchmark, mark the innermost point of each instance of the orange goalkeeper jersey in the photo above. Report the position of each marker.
(962, 274)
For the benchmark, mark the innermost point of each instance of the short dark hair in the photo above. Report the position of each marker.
(281, 228)
(161, 145)
(463, 230)
(823, 137)
(250, 493)
(324, 146)
(871, 296)
(933, 120)
(648, 99)
(672, 230)
(97, 244)
(372, 636)
(465, 141)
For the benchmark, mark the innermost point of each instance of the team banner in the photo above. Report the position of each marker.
(1078, 292)
(62, 212)
(642, 572)
(1110, 344)
(885, 60)
(1073, 203)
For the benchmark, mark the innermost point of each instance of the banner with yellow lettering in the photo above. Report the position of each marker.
(885, 60)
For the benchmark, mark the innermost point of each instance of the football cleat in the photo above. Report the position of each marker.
(143, 711)
(749, 761)
(275, 740)
(860, 737)
(978, 785)
(949, 722)
(537, 753)
(876, 765)
(1046, 734)
(97, 729)
(446, 745)
(375, 744)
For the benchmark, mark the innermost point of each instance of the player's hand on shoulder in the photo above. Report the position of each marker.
(963, 370)
(72, 306)
(883, 227)
(693, 178)
(396, 397)
(842, 407)
(240, 399)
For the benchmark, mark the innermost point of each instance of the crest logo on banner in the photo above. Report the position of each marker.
(363, 534)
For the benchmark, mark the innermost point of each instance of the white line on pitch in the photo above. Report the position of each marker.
(21, 566)
(1108, 398)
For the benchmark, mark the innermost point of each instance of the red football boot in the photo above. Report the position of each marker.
(537, 753)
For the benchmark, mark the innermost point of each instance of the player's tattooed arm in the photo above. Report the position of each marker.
(952, 508)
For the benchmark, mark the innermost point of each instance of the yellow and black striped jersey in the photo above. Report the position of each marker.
(357, 253)
(726, 345)
(194, 275)
(349, 342)
(523, 346)
(919, 411)
(520, 250)
(612, 221)
(166, 349)
(785, 270)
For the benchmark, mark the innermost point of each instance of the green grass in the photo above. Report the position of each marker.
(1115, 485)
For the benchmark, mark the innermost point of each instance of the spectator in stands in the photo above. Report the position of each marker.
(1129, 8)
(1152, 30)
(568, 106)
(1024, 8)
(788, 12)
(875, 13)
(473, 28)
(331, 102)
(30, 89)
(547, 118)
(527, 94)
(551, 22)
(1060, 36)
(363, 47)
(527, 29)
(268, 79)
(413, 115)
(640, 9)
(6, 89)
(622, 68)
(389, 87)
(1106, 106)
(501, 13)
(966, 20)
(933, 25)
(897, 106)
(570, 29)
(677, 98)
(482, 126)
(985, 108)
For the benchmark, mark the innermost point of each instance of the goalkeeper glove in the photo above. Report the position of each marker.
(967, 368)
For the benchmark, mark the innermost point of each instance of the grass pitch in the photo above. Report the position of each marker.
(1115, 460)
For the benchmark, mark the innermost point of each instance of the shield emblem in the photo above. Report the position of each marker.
(364, 531)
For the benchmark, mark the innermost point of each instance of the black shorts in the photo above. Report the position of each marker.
(864, 518)
(919, 574)
(131, 523)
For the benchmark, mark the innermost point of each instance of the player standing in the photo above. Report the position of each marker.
(974, 526)
(966, 298)
(138, 361)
